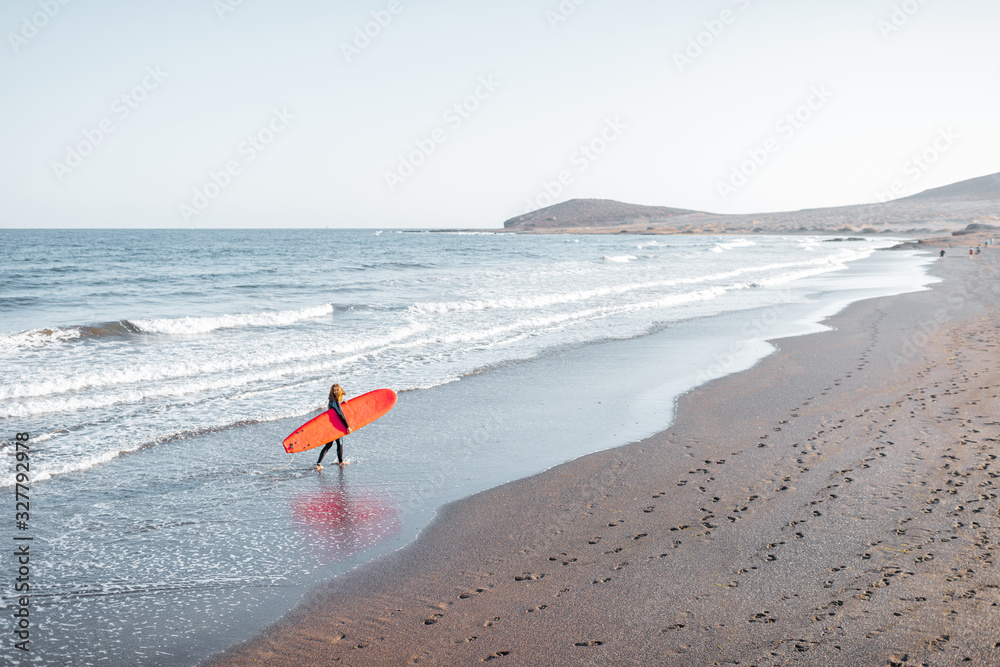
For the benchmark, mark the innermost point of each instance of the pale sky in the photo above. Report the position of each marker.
(445, 114)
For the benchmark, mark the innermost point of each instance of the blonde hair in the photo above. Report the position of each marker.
(337, 393)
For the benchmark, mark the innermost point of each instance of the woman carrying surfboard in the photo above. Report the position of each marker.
(336, 398)
(332, 423)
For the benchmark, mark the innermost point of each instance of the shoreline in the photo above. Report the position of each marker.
(667, 551)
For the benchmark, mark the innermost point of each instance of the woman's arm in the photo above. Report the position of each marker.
(340, 413)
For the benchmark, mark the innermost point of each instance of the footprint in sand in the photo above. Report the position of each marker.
(762, 617)
(469, 594)
(494, 656)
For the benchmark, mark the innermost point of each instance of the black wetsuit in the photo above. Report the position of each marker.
(334, 405)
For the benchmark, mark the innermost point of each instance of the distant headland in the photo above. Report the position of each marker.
(953, 210)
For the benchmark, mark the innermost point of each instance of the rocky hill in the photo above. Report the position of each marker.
(592, 213)
(939, 211)
(984, 188)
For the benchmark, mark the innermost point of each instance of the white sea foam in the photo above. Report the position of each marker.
(550, 299)
(202, 325)
(171, 378)
(24, 340)
(733, 245)
(188, 380)
(619, 259)
(77, 465)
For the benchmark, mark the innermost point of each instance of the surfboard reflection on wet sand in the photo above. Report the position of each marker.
(339, 521)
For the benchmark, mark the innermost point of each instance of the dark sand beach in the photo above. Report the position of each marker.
(835, 505)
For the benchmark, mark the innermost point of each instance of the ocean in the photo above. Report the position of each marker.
(158, 371)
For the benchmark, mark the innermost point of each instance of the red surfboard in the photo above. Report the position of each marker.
(360, 411)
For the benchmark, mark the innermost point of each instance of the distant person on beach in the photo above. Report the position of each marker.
(970, 253)
(337, 395)
(942, 252)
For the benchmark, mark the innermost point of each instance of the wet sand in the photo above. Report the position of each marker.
(836, 504)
